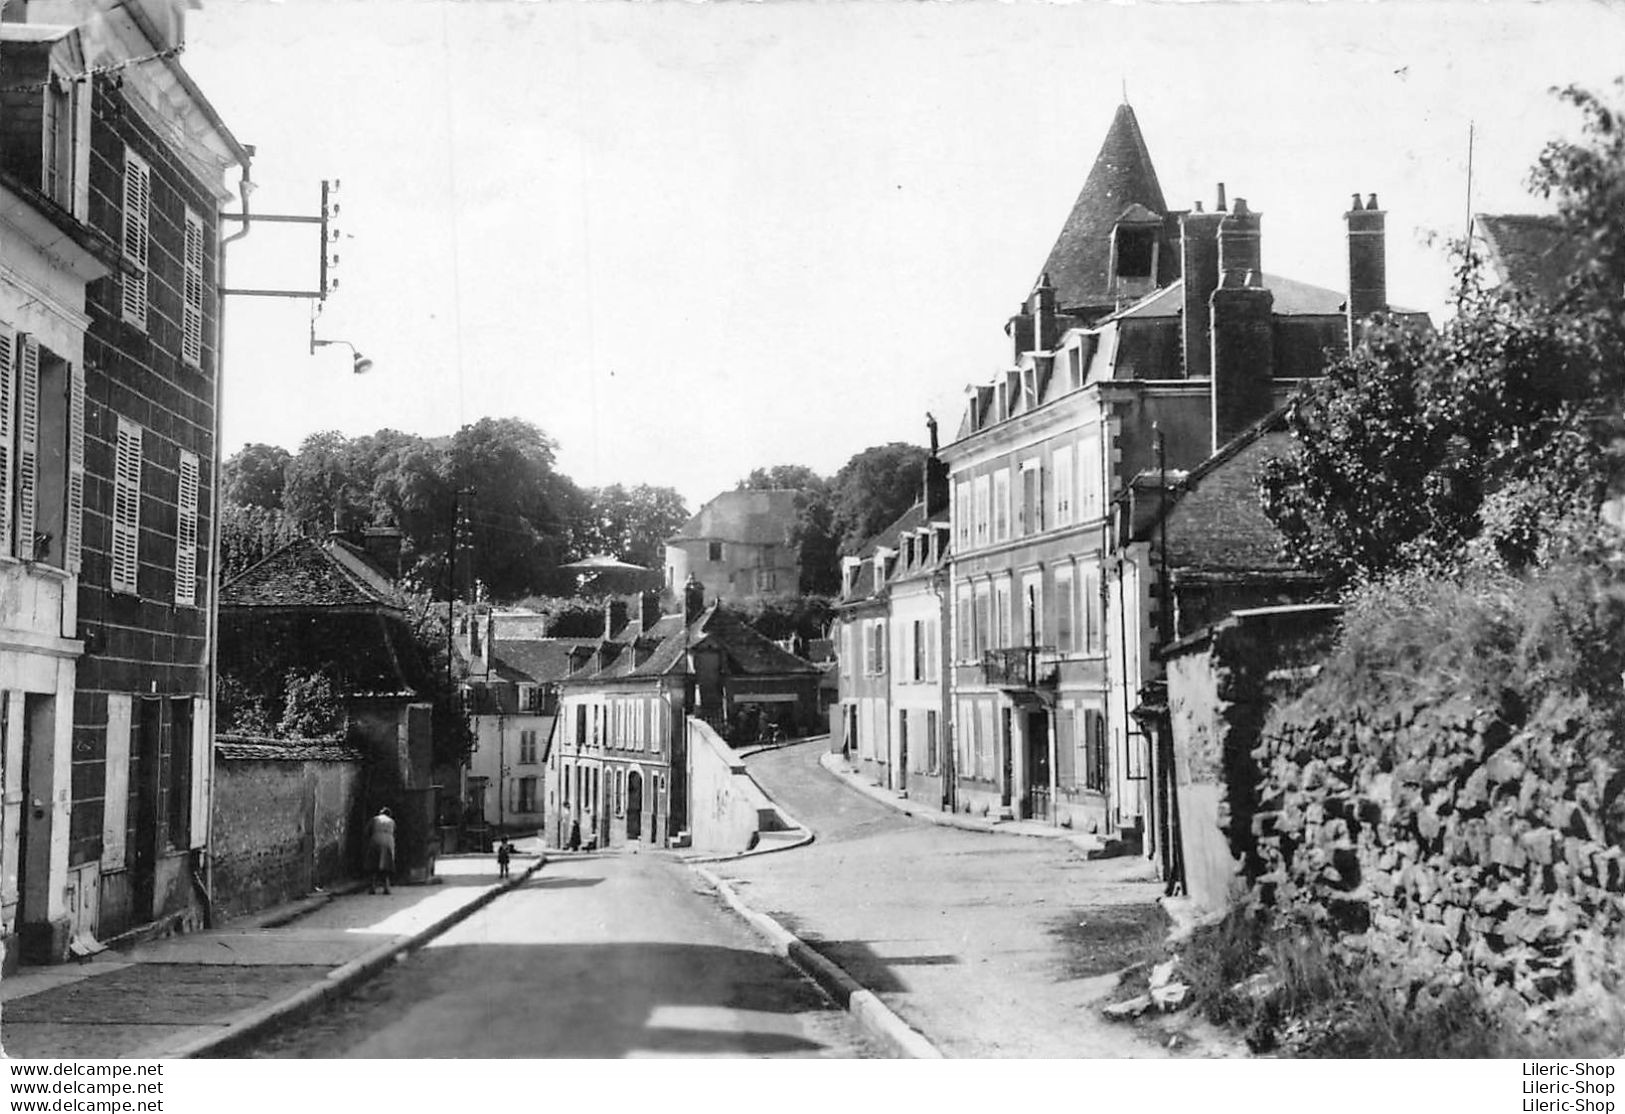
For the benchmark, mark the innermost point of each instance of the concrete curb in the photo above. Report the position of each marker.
(1087, 845)
(337, 982)
(862, 1003)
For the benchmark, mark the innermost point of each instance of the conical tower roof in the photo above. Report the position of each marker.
(1078, 264)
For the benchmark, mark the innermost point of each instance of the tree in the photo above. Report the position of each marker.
(249, 534)
(1483, 438)
(783, 477)
(254, 476)
(631, 523)
(873, 488)
(323, 490)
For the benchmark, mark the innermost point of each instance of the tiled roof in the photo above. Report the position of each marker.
(367, 652)
(889, 538)
(1533, 253)
(665, 646)
(308, 573)
(1292, 299)
(537, 660)
(752, 517)
(1122, 177)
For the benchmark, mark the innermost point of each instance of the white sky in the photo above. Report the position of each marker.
(690, 239)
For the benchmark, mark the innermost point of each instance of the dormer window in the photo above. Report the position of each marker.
(1136, 252)
(45, 128)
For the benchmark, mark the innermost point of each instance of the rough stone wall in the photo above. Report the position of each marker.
(1458, 839)
(282, 828)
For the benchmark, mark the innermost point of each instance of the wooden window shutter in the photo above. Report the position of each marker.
(8, 392)
(192, 310)
(73, 542)
(126, 507)
(137, 200)
(202, 772)
(27, 466)
(186, 532)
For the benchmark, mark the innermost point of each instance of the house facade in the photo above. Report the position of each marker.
(511, 692)
(1151, 340)
(737, 547)
(108, 323)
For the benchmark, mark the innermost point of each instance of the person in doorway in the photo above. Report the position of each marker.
(504, 856)
(574, 842)
(381, 850)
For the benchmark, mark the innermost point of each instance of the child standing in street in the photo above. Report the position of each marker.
(504, 855)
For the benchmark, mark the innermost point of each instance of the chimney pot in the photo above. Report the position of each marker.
(1371, 202)
(1355, 206)
(1198, 206)
(1219, 205)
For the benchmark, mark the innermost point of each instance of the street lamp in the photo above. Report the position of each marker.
(361, 364)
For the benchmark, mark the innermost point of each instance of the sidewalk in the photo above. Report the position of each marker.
(195, 994)
(1091, 846)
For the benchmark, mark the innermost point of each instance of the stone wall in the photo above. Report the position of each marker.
(287, 818)
(727, 809)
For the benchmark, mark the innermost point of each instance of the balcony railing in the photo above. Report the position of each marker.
(1019, 666)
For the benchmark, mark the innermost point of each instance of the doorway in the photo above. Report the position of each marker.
(1006, 758)
(34, 833)
(634, 805)
(900, 777)
(1038, 796)
(146, 775)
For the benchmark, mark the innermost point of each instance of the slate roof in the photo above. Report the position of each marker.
(306, 573)
(1121, 178)
(535, 660)
(1292, 299)
(889, 538)
(1530, 252)
(751, 517)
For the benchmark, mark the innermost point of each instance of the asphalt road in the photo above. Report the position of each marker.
(614, 955)
(990, 944)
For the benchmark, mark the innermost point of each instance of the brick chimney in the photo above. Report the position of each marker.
(935, 488)
(1239, 242)
(1199, 265)
(383, 545)
(648, 611)
(1243, 352)
(693, 599)
(615, 614)
(1368, 264)
(1020, 328)
(1045, 332)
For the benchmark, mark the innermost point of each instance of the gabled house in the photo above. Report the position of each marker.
(326, 607)
(1052, 634)
(510, 689)
(618, 767)
(114, 165)
(737, 546)
(1528, 251)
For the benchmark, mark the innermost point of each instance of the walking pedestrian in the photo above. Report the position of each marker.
(381, 850)
(574, 842)
(504, 854)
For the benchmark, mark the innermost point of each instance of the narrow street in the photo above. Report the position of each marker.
(597, 956)
(989, 944)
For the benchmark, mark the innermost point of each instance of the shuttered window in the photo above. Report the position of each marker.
(27, 466)
(137, 201)
(73, 544)
(126, 506)
(186, 532)
(192, 310)
(8, 392)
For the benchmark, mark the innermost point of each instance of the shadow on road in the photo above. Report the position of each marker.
(565, 1000)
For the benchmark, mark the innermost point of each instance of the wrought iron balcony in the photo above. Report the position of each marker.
(1019, 667)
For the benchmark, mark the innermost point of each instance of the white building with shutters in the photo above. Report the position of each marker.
(111, 188)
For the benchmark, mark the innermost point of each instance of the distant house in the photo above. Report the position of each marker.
(618, 767)
(511, 693)
(737, 547)
(1529, 252)
(328, 607)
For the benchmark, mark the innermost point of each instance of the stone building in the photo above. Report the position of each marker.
(737, 547)
(109, 345)
(1152, 338)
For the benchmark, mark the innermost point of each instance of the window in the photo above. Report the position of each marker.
(846, 649)
(46, 119)
(1094, 622)
(1091, 485)
(186, 532)
(917, 632)
(1032, 497)
(1064, 480)
(581, 726)
(1001, 612)
(527, 794)
(713, 551)
(1135, 252)
(8, 395)
(767, 580)
(1094, 750)
(983, 516)
(1001, 505)
(192, 293)
(126, 506)
(982, 626)
(877, 659)
(137, 202)
(527, 747)
(962, 514)
(25, 426)
(1032, 610)
(964, 632)
(931, 741)
(933, 632)
(529, 698)
(1065, 609)
(620, 792)
(178, 782)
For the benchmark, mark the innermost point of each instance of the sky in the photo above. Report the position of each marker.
(691, 239)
